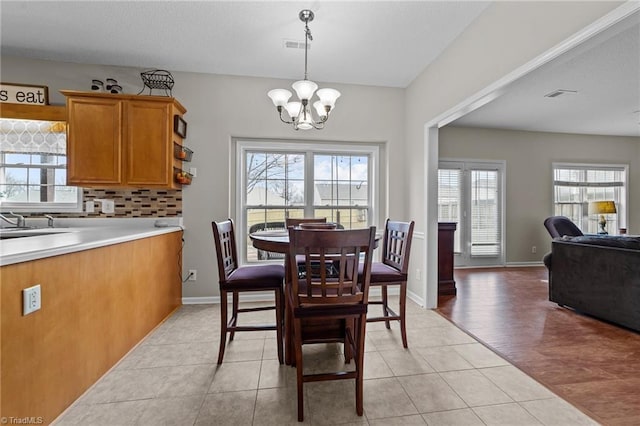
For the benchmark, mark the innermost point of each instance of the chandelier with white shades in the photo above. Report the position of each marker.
(300, 112)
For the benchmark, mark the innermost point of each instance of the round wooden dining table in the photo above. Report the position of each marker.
(277, 241)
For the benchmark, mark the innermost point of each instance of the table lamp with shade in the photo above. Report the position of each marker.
(602, 208)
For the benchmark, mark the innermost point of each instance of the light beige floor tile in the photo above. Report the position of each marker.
(386, 339)
(270, 349)
(516, 384)
(425, 319)
(228, 408)
(185, 380)
(386, 398)
(171, 411)
(124, 385)
(236, 376)
(405, 362)
(315, 363)
(435, 336)
(276, 407)
(177, 354)
(555, 411)
(479, 356)
(184, 334)
(243, 350)
(463, 417)
(505, 415)
(275, 375)
(474, 388)
(415, 420)
(444, 358)
(429, 392)
(332, 402)
(116, 413)
(375, 367)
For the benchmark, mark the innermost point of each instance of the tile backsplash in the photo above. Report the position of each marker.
(131, 203)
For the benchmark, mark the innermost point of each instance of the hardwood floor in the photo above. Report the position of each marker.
(592, 364)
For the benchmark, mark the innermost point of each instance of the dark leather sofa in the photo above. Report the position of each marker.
(598, 276)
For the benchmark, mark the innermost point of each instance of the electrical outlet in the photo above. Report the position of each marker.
(108, 206)
(31, 299)
(193, 171)
(534, 249)
(89, 206)
(418, 274)
(193, 275)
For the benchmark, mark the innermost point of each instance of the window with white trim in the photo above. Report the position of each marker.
(277, 180)
(33, 167)
(576, 185)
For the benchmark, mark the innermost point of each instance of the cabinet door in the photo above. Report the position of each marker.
(94, 141)
(148, 155)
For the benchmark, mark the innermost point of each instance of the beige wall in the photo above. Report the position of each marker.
(220, 108)
(506, 36)
(528, 192)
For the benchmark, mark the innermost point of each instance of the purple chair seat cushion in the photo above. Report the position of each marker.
(383, 273)
(255, 277)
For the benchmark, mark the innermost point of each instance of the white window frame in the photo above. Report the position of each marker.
(39, 207)
(622, 210)
(348, 148)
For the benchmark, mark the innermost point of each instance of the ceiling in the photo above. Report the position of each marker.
(605, 73)
(379, 43)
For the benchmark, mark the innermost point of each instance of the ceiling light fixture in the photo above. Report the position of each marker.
(300, 112)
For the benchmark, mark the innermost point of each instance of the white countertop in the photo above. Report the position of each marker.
(81, 234)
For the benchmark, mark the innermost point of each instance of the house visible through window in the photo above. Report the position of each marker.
(33, 167)
(575, 185)
(298, 180)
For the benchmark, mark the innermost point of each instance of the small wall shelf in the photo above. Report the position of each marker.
(182, 177)
(182, 152)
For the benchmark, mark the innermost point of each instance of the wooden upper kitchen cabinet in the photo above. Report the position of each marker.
(116, 140)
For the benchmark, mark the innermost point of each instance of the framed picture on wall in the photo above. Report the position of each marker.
(179, 126)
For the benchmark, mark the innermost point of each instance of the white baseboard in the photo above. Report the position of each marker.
(200, 300)
(413, 296)
(523, 264)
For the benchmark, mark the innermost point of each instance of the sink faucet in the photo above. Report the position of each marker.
(49, 220)
(19, 223)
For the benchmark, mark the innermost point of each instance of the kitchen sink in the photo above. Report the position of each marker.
(7, 233)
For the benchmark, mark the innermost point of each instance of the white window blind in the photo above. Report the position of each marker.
(450, 200)
(485, 213)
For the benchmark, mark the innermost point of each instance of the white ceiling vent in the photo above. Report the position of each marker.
(560, 92)
(294, 44)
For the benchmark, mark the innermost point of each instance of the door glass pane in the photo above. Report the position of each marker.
(485, 217)
(449, 201)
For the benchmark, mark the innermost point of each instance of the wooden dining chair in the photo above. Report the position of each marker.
(393, 270)
(236, 279)
(329, 304)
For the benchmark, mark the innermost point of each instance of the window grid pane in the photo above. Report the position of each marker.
(275, 190)
(576, 186)
(33, 165)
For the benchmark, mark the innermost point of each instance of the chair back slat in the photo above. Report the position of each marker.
(329, 273)
(226, 249)
(396, 244)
